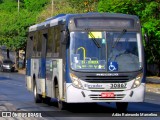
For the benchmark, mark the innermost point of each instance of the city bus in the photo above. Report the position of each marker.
(74, 58)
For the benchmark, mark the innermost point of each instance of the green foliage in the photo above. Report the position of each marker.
(55, 9)
(120, 6)
(35, 5)
(83, 6)
(8, 5)
(14, 25)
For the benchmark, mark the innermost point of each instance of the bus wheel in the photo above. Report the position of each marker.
(61, 105)
(122, 106)
(37, 97)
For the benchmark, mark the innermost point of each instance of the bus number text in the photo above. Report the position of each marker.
(118, 85)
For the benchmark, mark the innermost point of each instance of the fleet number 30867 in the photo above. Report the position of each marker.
(118, 85)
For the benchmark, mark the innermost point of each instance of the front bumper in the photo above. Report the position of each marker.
(74, 95)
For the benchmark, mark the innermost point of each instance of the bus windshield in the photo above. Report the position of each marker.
(105, 51)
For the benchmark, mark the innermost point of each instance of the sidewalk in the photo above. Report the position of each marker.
(153, 79)
(153, 84)
(22, 71)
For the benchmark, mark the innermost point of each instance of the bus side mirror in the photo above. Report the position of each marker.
(146, 38)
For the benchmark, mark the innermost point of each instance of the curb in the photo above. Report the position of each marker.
(22, 71)
(153, 90)
(155, 80)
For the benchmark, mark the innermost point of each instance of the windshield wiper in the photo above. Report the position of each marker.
(119, 37)
(94, 40)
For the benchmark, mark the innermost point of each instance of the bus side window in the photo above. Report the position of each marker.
(29, 47)
(49, 43)
(39, 44)
(56, 43)
(44, 42)
(35, 44)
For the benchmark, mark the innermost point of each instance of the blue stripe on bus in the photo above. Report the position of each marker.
(144, 75)
(28, 67)
(67, 76)
(43, 67)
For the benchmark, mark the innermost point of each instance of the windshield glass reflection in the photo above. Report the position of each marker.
(104, 51)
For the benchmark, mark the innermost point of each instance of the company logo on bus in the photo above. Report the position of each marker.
(93, 86)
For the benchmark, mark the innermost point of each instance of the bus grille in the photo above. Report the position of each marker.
(106, 79)
(98, 97)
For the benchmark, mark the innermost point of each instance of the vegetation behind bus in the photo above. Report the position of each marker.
(14, 24)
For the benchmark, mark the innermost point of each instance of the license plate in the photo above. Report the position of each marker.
(107, 95)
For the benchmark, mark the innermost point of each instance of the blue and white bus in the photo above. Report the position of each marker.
(73, 58)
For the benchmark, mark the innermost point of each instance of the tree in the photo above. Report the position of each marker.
(83, 6)
(151, 24)
(14, 25)
(35, 5)
(55, 8)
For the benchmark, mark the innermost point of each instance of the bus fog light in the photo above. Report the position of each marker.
(75, 82)
(137, 83)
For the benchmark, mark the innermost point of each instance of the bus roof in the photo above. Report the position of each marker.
(65, 18)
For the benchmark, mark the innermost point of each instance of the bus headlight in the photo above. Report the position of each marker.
(137, 81)
(75, 81)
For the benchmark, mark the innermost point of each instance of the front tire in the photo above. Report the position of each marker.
(37, 97)
(61, 105)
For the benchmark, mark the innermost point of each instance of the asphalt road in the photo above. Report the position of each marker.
(15, 97)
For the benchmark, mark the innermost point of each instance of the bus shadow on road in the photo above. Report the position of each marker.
(4, 78)
(87, 107)
(144, 107)
(110, 108)
(90, 108)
